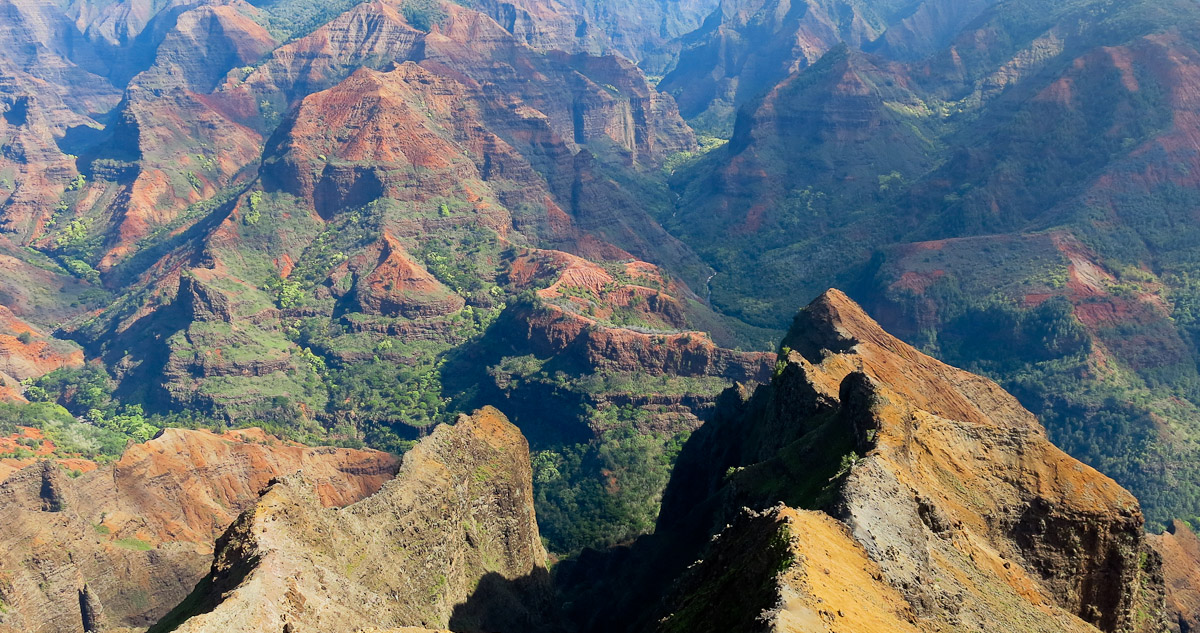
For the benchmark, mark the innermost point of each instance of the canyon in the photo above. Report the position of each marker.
(535, 259)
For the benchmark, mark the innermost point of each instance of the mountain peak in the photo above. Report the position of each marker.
(832, 322)
(939, 476)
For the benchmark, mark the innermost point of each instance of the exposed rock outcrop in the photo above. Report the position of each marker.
(11, 389)
(747, 46)
(1180, 551)
(35, 290)
(398, 286)
(451, 541)
(30, 440)
(121, 545)
(583, 98)
(632, 319)
(931, 485)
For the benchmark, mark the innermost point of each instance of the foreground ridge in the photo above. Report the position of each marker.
(451, 541)
(122, 544)
(870, 487)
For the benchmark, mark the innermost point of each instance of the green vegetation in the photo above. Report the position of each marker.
(383, 397)
(1043, 355)
(602, 450)
(605, 491)
(254, 213)
(681, 160)
(133, 543)
(465, 261)
(85, 392)
(423, 15)
(291, 19)
(71, 437)
(905, 184)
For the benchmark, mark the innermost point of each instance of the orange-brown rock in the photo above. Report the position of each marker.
(451, 541)
(168, 148)
(634, 290)
(138, 533)
(384, 134)
(26, 352)
(36, 172)
(204, 44)
(367, 34)
(41, 50)
(642, 32)
(398, 286)
(1180, 551)
(747, 46)
(629, 325)
(569, 91)
(764, 41)
(185, 152)
(941, 479)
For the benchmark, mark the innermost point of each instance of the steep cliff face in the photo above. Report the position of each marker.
(398, 286)
(35, 289)
(946, 494)
(452, 540)
(822, 116)
(584, 98)
(606, 98)
(743, 48)
(136, 535)
(204, 44)
(43, 44)
(67, 69)
(1180, 552)
(820, 580)
(33, 171)
(408, 134)
(172, 145)
(839, 127)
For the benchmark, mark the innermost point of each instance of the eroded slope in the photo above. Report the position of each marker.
(138, 533)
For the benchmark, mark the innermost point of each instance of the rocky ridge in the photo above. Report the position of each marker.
(630, 320)
(451, 541)
(926, 191)
(867, 471)
(136, 535)
(745, 47)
